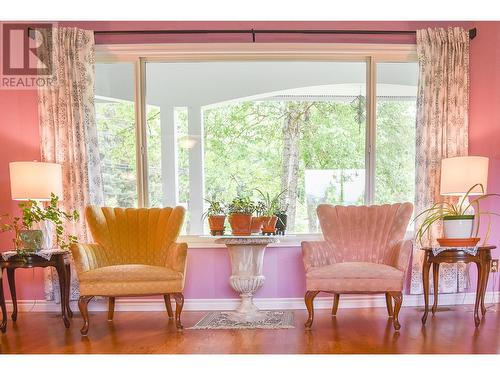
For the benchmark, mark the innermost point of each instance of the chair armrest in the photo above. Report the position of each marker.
(401, 253)
(88, 256)
(316, 254)
(176, 257)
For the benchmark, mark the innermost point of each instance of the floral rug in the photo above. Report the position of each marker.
(274, 319)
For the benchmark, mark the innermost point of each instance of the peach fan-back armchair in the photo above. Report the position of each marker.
(134, 254)
(363, 251)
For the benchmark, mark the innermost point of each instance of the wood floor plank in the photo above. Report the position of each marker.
(351, 331)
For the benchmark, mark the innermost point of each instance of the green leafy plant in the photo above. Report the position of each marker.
(241, 205)
(443, 210)
(260, 208)
(215, 208)
(270, 204)
(15, 224)
(32, 213)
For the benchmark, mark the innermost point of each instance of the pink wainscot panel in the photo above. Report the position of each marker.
(209, 271)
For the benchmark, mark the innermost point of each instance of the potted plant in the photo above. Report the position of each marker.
(240, 212)
(216, 217)
(29, 240)
(458, 221)
(257, 220)
(282, 220)
(271, 205)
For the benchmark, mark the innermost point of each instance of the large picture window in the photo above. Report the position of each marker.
(217, 129)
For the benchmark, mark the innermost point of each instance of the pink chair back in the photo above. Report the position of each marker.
(364, 233)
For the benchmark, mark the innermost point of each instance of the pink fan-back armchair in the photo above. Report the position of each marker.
(363, 251)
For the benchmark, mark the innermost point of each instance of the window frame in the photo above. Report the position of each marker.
(141, 54)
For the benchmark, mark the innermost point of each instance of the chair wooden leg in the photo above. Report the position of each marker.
(336, 299)
(111, 308)
(168, 304)
(388, 302)
(309, 299)
(179, 303)
(398, 301)
(83, 306)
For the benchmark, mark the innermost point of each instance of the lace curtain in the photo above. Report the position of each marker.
(68, 133)
(441, 132)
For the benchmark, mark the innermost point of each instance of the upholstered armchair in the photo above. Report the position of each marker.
(134, 254)
(363, 251)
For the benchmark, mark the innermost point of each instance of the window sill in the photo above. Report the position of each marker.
(289, 240)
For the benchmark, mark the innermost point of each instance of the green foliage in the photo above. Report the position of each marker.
(215, 208)
(269, 204)
(241, 205)
(116, 135)
(32, 213)
(243, 144)
(442, 210)
(260, 208)
(16, 225)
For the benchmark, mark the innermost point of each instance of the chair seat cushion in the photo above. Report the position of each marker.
(130, 280)
(355, 277)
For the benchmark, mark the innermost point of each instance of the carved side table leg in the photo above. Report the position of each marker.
(425, 281)
(61, 273)
(68, 290)
(3, 326)
(486, 275)
(12, 286)
(480, 276)
(435, 279)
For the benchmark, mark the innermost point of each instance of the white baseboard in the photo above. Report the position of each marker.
(347, 301)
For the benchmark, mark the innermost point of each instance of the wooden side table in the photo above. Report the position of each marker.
(454, 255)
(57, 260)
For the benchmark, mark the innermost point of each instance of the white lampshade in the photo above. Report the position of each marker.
(35, 180)
(459, 174)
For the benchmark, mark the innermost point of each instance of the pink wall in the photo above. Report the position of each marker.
(208, 269)
(18, 141)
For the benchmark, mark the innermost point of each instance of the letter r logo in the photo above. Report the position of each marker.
(22, 55)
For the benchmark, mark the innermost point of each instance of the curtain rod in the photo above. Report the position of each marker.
(253, 32)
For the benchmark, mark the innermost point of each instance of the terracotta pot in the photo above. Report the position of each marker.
(269, 224)
(241, 224)
(256, 224)
(216, 224)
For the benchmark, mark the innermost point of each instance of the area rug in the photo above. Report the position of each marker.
(274, 319)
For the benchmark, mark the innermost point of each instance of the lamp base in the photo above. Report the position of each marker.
(47, 228)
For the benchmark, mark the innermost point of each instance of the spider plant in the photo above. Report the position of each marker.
(215, 208)
(270, 205)
(443, 210)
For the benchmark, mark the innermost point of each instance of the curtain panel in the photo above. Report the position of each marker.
(68, 134)
(441, 132)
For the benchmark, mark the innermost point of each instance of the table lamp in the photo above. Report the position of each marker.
(458, 176)
(36, 181)
(460, 173)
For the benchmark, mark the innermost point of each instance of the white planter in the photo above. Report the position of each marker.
(461, 228)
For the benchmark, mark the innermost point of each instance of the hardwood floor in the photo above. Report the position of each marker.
(351, 331)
